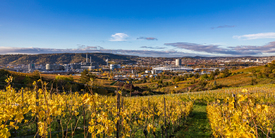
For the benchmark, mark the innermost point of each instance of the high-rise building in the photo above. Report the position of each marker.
(31, 67)
(178, 62)
(87, 60)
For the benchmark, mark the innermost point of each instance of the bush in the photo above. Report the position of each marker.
(145, 93)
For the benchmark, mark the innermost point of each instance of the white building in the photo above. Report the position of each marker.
(147, 71)
(114, 66)
(157, 70)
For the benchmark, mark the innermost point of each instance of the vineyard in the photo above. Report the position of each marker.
(46, 114)
(235, 112)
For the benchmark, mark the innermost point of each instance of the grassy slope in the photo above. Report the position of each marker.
(243, 79)
(197, 125)
(248, 69)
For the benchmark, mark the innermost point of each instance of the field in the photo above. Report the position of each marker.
(234, 112)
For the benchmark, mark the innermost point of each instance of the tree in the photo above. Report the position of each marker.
(215, 83)
(152, 79)
(212, 75)
(27, 81)
(158, 77)
(217, 72)
(165, 83)
(197, 75)
(204, 76)
(36, 75)
(177, 79)
(64, 82)
(202, 83)
(252, 77)
(86, 77)
(265, 71)
(271, 65)
(225, 72)
(160, 81)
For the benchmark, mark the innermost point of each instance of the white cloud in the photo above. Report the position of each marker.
(119, 37)
(255, 36)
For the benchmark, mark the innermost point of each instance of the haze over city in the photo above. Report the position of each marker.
(141, 28)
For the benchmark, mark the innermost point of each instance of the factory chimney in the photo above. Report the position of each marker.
(107, 61)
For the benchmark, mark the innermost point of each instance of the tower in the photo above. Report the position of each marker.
(87, 58)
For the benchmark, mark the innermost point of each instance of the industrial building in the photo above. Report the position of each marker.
(176, 68)
(73, 66)
(89, 65)
(54, 67)
(170, 68)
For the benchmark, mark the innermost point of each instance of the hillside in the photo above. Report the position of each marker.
(64, 58)
(236, 78)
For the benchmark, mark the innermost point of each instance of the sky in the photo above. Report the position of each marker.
(174, 28)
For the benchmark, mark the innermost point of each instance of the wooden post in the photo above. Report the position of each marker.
(148, 104)
(121, 104)
(131, 90)
(235, 100)
(84, 121)
(22, 96)
(165, 125)
(51, 91)
(118, 112)
(22, 106)
(37, 104)
(121, 110)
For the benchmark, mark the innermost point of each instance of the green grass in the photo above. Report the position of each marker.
(197, 125)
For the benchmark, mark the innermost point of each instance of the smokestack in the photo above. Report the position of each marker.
(107, 61)
(87, 58)
(90, 59)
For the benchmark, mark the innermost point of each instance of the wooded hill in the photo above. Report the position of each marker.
(64, 58)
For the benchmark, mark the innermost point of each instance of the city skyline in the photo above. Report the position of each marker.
(142, 28)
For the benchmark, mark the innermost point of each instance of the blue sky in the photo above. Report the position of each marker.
(145, 27)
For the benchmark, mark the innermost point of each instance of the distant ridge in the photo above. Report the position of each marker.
(64, 58)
